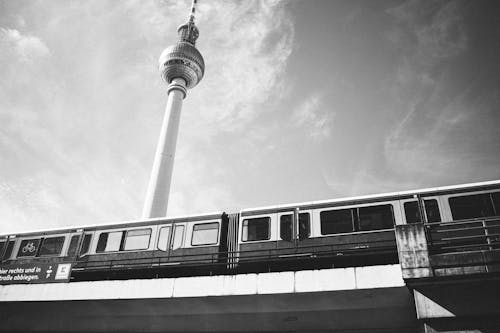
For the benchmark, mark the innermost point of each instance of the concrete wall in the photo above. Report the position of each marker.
(227, 285)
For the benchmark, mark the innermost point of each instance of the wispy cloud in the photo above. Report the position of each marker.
(247, 49)
(433, 110)
(315, 117)
(407, 94)
(246, 46)
(437, 126)
(437, 27)
(81, 97)
(19, 47)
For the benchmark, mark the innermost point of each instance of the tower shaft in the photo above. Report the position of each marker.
(158, 190)
(182, 67)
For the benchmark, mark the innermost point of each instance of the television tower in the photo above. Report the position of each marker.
(182, 67)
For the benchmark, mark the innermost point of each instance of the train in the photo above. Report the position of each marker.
(346, 232)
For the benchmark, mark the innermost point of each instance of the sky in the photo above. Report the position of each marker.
(301, 101)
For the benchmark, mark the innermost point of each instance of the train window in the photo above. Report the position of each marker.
(412, 213)
(2, 246)
(336, 221)
(73, 244)
(8, 250)
(163, 238)
(109, 241)
(85, 244)
(137, 239)
(28, 247)
(205, 234)
(101, 243)
(471, 206)
(376, 217)
(51, 246)
(495, 197)
(304, 226)
(256, 229)
(178, 237)
(286, 228)
(432, 210)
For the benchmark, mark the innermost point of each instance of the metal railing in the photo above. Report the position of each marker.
(464, 235)
(370, 248)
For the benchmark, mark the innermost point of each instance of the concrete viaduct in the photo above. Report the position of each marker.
(425, 292)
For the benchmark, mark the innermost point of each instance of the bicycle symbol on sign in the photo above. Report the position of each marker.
(30, 247)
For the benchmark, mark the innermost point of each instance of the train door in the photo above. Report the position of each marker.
(429, 210)
(295, 229)
(287, 231)
(85, 246)
(303, 220)
(432, 209)
(177, 242)
(430, 206)
(72, 245)
(259, 236)
(171, 240)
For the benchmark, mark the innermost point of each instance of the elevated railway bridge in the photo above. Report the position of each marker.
(446, 281)
(421, 275)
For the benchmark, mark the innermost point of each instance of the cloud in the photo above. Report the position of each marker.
(314, 116)
(81, 103)
(433, 108)
(428, 33)
(194, 191)
(25, 201)
(426, 149)
(246, 48)
(22, 48)
(437, 123)
(445, 36)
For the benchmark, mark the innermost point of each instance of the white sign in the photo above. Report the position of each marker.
(63, 271)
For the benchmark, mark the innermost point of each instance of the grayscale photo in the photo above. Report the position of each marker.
(237, 166)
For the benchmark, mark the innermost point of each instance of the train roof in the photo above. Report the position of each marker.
(138, 222)
(282, 207)
(375, 197)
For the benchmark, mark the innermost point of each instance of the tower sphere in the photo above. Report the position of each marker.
(183, 60)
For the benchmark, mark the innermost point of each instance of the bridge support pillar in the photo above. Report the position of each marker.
(454, 291)
(461, 306)
(425, 328)
(413, 251)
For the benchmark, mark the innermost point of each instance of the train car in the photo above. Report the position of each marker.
(128, 249)
(332, 233)
(153, 247)
(360, 230)
(356, 231)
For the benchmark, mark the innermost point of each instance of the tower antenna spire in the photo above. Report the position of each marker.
(193, 11)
